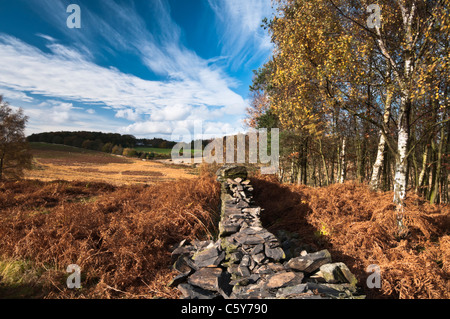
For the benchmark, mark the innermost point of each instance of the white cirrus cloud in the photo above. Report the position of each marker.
(239, 22)
(193, 88)
(65, 74)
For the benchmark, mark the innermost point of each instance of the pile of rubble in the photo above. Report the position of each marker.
(249, 262)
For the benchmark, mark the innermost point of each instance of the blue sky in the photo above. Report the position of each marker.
(143, 67)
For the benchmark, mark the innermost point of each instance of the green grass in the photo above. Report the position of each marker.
(164, 151)
(19, 279)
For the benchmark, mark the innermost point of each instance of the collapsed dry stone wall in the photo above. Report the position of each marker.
(249, 262)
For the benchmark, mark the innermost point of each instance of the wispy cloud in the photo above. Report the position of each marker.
(65, 73)
(240, 22)
(193, 89)
(9, 94)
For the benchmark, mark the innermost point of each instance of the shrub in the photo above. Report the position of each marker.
(129, 152)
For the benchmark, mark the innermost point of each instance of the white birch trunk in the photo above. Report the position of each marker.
(342, 177)
(401, 167)
(382, 143)
(403, 117)
(378, 163)
(401, 164)
(424, 168)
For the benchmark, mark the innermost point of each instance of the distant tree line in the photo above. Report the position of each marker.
(90, 140)
(113, 143)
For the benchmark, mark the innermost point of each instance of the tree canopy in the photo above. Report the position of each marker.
(365, 100)
(14, 150)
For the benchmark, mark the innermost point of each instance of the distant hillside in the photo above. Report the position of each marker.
(98, 141)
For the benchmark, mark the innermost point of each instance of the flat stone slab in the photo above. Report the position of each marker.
(206, 278)
(232, 172)
(282, 279)
(310, 262)
(291, 290)
(208, 257)
(191, 292)
(337, 273)
(275, 254)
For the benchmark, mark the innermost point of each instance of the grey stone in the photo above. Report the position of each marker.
(254, 211)
(228, 227)
(252, 264)
(274, 253)
(337, 273)
(250, 231)
(245, 261)
(249, 239)
(232, 172)
(208, 257)
(202, 245)
(182, 243)
(206, 278)
(252, 279)
(236, 256)
(257, 249)
(325, 290)
(233, 270)
(258, 258)
(243, 271)
(283, 279)
(192, 292)
(251, 291)
(237, 216)
(184, 264)
(179, 279)
(243, 204)
(263, 269)
(276, 267)
(238, 180)
(311, 262)
(224, 287)
(296, 289)
(182, 250)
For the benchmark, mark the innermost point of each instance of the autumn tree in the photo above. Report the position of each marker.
(14, 150)
(330, 65)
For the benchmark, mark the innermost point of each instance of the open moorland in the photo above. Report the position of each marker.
(121, 233)
(60, 162)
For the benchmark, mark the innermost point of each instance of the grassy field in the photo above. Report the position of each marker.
(163, 151)
(60, 162)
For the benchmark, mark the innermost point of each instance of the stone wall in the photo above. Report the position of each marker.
(249, 262)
